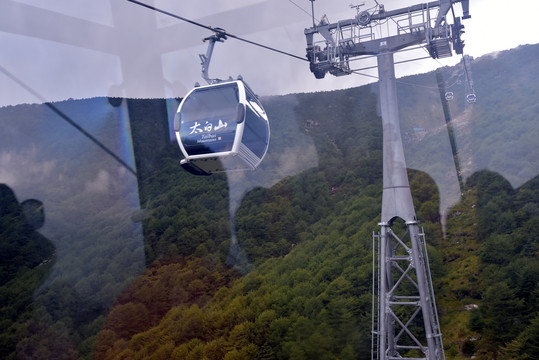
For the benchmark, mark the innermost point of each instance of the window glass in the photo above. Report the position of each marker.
(110, 249)
(256, 132)
(208, 119)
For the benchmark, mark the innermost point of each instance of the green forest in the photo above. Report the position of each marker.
(286, 271)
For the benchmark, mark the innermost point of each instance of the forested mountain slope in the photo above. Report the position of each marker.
(277, 264)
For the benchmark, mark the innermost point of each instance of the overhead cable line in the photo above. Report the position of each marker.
(216, 30)
(356, 71)
(468, 80)
(311, 15)
(302, 9)
(68, 119)
(363, 74)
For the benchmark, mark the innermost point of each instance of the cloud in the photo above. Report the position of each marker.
(21, 168)
(101, 184)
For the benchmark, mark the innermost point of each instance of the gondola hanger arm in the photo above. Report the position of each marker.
(220, 36)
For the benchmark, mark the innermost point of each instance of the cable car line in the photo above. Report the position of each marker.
(68, 119)
(466, 71)
(299, 7)
(471, 98)
(216, 30)
(356, 71)
(363, 74)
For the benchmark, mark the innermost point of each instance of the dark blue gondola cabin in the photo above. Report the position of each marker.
(221, 127)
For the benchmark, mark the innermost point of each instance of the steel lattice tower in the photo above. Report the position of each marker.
(403, 288)
(405, 321)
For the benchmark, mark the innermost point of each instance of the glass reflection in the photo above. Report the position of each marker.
(276, 262)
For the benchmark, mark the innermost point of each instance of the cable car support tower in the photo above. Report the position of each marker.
(405, 321)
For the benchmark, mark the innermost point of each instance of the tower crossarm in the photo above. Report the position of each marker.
(391, 43)
(415, 25)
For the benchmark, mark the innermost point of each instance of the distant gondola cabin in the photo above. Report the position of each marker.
(471, 98)
(221, 127)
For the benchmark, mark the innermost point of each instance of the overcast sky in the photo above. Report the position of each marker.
(57, 49)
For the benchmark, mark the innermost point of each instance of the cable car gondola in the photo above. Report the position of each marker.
(449, 95)
(471, 98)
(221, 127)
